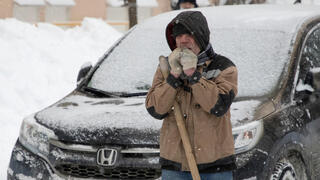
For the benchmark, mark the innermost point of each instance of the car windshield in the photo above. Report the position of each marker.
(259, 54)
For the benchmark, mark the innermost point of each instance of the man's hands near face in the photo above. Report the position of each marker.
(188, 61)
(182, 59)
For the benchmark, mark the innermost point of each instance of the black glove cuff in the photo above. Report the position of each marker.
(194, 78)
(174, 82)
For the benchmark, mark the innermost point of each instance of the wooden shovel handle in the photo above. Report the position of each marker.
(164, 67)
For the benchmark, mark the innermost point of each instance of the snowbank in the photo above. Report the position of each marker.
(39, 65)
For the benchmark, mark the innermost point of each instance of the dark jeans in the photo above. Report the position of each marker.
(182, 175)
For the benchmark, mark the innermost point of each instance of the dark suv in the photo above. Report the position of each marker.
(102, 130)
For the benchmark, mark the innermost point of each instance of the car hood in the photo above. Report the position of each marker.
(78, 118)
(250, 109)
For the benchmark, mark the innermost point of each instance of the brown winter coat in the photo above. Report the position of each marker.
(205, 107)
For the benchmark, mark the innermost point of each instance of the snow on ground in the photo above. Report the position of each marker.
(39, 65)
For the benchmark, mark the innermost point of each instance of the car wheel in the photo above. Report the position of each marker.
(283, 171)
(291, 168)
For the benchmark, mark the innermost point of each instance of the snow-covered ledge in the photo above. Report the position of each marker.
(140, 3)
(61, 2)
(30, 2)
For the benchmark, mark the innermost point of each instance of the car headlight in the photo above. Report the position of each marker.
(35, 137)
(247, 136)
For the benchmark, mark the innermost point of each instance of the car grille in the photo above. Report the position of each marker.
(71, 160)
(103, 173)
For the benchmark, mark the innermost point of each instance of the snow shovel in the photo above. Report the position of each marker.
(164, 67)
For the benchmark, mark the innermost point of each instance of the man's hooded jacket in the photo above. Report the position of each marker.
(204, 100)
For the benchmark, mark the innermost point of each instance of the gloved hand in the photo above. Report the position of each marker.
(164, 66)
(174, 61)
(188, 59)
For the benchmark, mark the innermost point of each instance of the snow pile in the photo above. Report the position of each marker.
(39, 65)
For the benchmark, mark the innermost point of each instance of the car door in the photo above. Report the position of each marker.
(310, 101)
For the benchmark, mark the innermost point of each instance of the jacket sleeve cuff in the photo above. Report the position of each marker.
(174, 82)
(194, 78)
(154, 114)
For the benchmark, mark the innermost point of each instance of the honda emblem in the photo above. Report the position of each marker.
(106, 157)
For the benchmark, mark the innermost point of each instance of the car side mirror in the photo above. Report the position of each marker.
(85, 68)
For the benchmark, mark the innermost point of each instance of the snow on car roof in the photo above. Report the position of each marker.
(257, 38)
(265, 17)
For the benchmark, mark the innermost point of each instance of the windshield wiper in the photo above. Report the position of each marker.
(133, 94)
(101, 93)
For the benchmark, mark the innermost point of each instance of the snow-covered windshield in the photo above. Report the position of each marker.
(131, 65)
(260, 52)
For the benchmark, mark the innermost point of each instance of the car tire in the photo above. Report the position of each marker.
(289, 168)
(283, 171)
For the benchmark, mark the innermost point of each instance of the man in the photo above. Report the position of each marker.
(204, 84)
(186, 4)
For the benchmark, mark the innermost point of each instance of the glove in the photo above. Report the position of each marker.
(188, 59)
(174, 61)
(164, 66)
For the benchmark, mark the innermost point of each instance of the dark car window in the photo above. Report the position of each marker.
(310, 58)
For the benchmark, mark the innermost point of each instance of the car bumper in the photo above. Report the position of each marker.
(78, 165)
(24, 164)
(251, 165)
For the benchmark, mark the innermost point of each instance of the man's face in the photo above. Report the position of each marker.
(186, 5)
(187, 41)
